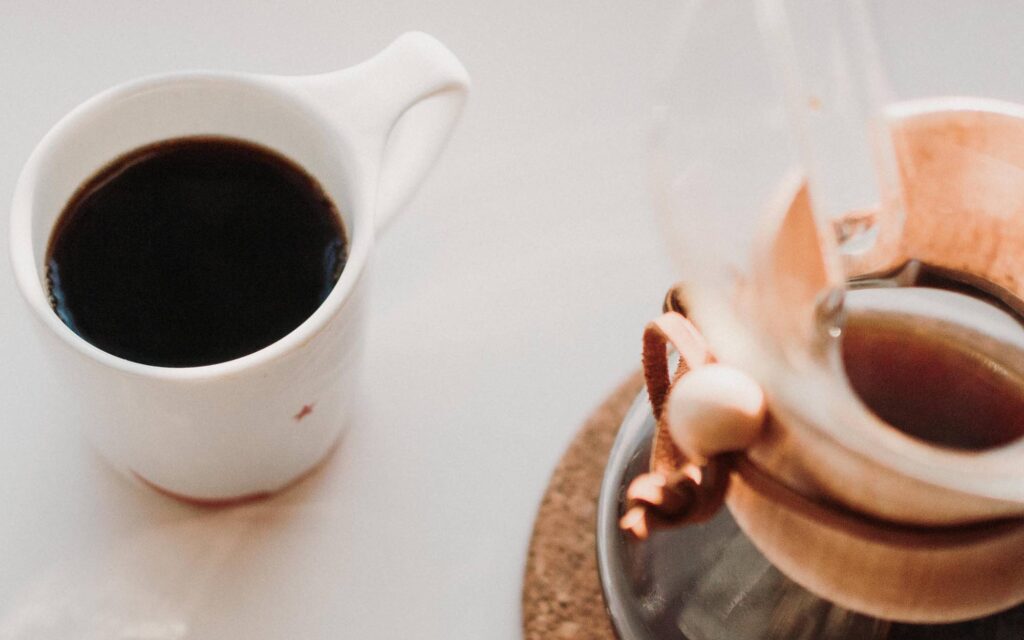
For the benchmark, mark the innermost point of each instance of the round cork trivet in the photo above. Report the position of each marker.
(562, 591)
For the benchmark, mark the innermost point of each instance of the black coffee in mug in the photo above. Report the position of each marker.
(194, 251)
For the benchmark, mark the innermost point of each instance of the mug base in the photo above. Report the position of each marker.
(239, 500)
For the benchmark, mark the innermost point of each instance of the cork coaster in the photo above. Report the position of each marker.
(562, 591)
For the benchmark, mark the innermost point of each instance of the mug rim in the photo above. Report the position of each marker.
(23, 255)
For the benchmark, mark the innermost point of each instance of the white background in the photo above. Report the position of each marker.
(510, 299)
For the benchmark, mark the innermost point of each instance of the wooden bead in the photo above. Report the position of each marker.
(714, 409)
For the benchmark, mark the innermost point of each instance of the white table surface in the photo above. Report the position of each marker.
(510, 300)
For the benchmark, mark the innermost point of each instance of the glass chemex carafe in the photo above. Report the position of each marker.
(842, 187)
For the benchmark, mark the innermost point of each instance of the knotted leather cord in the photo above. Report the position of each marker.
(676, 492)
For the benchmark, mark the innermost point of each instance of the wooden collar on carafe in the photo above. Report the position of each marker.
(707, 415)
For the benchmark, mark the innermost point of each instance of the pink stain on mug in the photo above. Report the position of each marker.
(304, 411)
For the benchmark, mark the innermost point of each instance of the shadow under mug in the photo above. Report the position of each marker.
(250, 426)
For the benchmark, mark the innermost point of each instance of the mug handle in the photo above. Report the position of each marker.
(410, 96)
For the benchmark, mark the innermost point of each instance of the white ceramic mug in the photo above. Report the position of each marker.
(249, 426)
